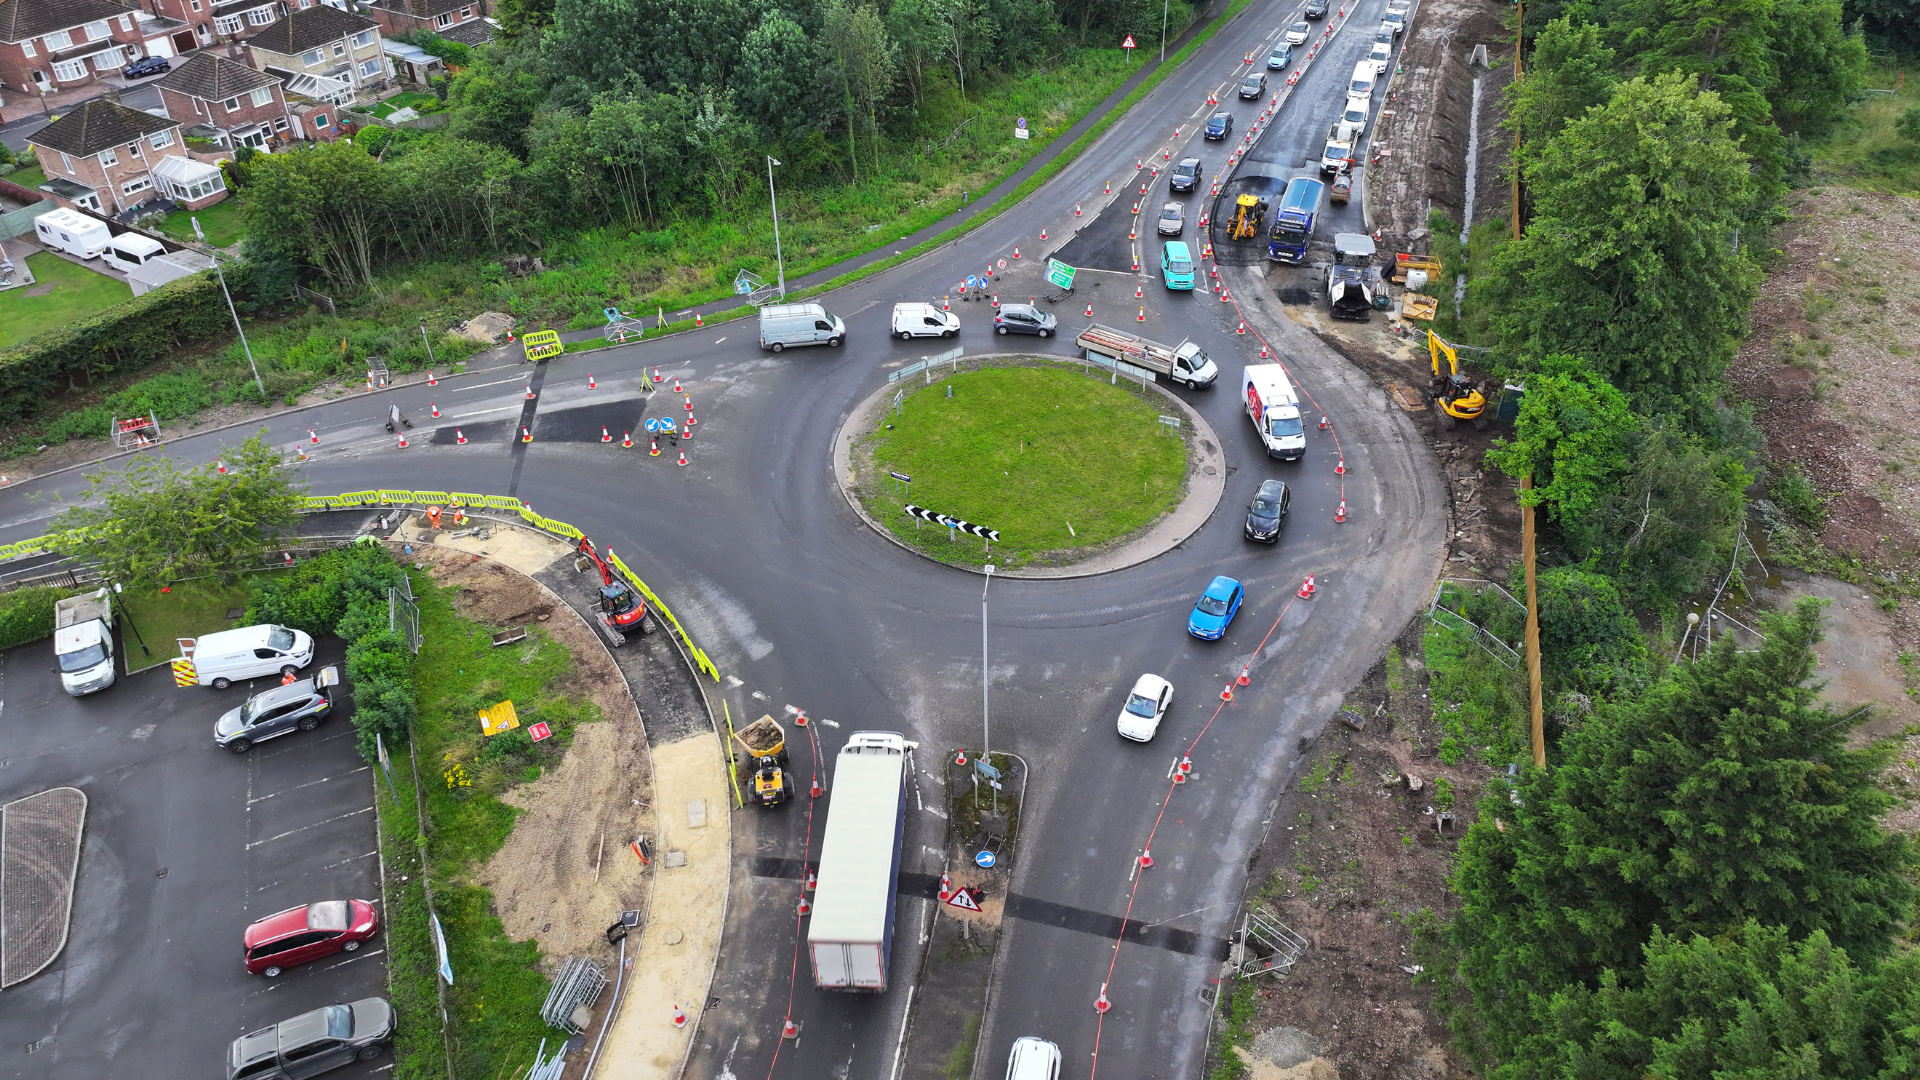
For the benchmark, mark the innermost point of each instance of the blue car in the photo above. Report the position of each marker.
(1176, 265)
(1216, 608)
(1219, 125)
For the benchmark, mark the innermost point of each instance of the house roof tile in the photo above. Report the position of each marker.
(23, 19)
(212, 77)
(97, 124)
(304, 29)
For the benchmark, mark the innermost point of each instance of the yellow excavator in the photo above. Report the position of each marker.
(1248, 210)
(1454, 393)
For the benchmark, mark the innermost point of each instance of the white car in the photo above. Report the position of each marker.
(912, 320)
(1356, 114)
(1298, 33)
(1395, 21)
(1382, 55)
(1149, 701)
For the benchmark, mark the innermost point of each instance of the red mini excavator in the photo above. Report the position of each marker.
(620, 607)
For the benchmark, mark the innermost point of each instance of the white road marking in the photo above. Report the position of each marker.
(719, 339)
(830, 723)
(309, 784)
(361, 955)
(483, 412)
(499, 382)
(315, 825)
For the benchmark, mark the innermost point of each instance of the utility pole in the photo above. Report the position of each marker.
(1519, 46)
(1533, 625)
(214, 254)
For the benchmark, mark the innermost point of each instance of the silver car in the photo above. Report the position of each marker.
(296, 706)
(1023, 319)
(1172, 219)
(313, 1043)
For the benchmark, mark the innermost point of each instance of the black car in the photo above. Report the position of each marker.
(1316, 9)
(1267, 512)
(294, 706)
(1254, 85)
(1185, 175)
(1219, 125)
(145, 66)
(1023, 319)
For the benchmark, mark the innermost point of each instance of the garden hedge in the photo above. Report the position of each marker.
(27, 614)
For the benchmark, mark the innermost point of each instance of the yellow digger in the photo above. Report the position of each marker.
(1454, 393)
(1248, 210)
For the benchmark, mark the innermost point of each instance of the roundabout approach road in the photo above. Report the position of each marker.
(800, 604)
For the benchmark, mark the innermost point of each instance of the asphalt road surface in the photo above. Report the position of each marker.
(185, 845)
(801, 605)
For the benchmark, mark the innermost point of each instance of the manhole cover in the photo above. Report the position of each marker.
(675, 937)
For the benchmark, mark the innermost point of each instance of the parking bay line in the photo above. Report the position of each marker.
(315, 825)
(322, 870)
(308, 784)
(361, 955)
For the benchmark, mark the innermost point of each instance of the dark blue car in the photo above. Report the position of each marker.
(145, 66)
(1216, 608)
(1219, 125)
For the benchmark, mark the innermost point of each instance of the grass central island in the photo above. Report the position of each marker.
(1063, 464)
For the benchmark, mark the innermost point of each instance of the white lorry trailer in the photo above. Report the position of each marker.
(83, 641)
(1275, 411)
(1185, 363)
(851, 932)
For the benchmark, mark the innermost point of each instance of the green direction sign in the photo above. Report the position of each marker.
(1060, 273)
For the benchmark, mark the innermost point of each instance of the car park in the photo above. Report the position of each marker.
(1146, 705)
(1185, 175)
(1219, 125)
(296, 706)
(314, 1042)
(1267, 512)
(1280, 57)
(1033, 1058)
(1024, 319)
(145, 66)
(1173, 220)
(1298, 33)
(912, 320)
(1215, 609)
(1254, 85)
(1317, 9)
(1176, 265)
(308, 932)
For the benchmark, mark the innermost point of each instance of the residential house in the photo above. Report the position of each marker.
(227, 101)
(403, 18)
(46, 45)
(107, 158)
(321, 53)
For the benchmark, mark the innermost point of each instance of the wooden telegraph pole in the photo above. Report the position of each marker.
(1519, 46)
(1533, 625)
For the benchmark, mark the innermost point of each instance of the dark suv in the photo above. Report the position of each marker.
(1185, 175)
(313, 1043)
(1219, 125)
(1316, 9)
(296, 706)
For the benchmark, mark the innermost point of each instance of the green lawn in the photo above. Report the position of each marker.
(30, 177)
(189, 609)
(77, 291)
(1866, 152)
(397, 102)
(1029, 451)
(221, 221)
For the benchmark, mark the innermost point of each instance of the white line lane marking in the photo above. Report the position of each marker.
(309, 784)
(483, 412)
(477, 386)
(315, 825)
(719, 339)
(364, 953)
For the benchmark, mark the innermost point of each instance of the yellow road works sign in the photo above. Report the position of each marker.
(499, 718)
(542, 344)
(183, 673)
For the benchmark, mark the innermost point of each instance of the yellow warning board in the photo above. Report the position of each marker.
(542, 344)
(183, 673)
(500, 718)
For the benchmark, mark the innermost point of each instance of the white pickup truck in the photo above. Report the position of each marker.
(1274, 410)
(1185, 363)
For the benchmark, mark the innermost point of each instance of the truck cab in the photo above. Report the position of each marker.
(83, 641)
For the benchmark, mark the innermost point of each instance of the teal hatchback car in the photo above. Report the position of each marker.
(1176, 265)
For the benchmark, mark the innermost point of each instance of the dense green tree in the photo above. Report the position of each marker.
(154, 522)
(858, 68)
(1895, 23)
(1820, 67)
(494, 100)
(1630, 260)
(1724, 794)
(776, 75)
(1908, 125)
(325, 207)
(1588, 638)
(1571, 435)
(1569, 71)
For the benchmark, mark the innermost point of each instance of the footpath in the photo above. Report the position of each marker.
(670, 954)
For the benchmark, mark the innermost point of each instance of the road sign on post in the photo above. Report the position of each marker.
(1129, 46)
(1020, 128)
(1060, 274)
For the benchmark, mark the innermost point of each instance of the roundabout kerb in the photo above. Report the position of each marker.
(1204, 483)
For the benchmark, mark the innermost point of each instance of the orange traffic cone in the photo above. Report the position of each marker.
(403, 440)
(1016, 253)
(1138, 292)
(312, 438)
(683, 457)
(435, 409)
(525, 435)
(529, 391)
(676, 384)
(431, 381)
(1243, 327)
(1146, 859)
(1340, 515)
(1306, 588)
(1043, 234)
(459, 437)
(1143, 314)
(1089, 311)
(653, 446)
(591, 385)
(679, 1016)
(626, 440)
(697, 320)
(605, 435)
(1341, 468)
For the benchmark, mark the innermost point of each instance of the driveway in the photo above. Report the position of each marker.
(185, 845)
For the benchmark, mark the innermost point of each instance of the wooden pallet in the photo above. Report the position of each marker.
(1418, 306)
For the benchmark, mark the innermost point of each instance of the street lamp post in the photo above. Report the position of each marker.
(1163, 30)
(986, 726)
(231, 310)
(778, 259)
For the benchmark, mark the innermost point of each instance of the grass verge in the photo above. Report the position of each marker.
(1865, 151)
(1479, 703)
(189, 609)
(221, 222)
(1055, 460)
(1241, 1008)
(75, 292)
(494, 1002)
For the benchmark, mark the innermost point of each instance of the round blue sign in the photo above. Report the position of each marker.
(985, 859)
(653, 423)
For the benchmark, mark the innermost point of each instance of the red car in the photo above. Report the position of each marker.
(300, 934)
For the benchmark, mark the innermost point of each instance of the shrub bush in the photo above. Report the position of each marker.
(27, 614)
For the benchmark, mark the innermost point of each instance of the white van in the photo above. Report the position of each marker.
(73, 232)
(1382, 54)
(1033, 1059)
(1358, 111)
(1363, 77)
(782, 325)
(251, 652)
(129, 250)
(912, 320)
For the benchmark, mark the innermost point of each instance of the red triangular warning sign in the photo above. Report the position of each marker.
(1128, 44)
(963, 899)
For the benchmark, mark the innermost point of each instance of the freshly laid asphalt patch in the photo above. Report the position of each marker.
(39, 857)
